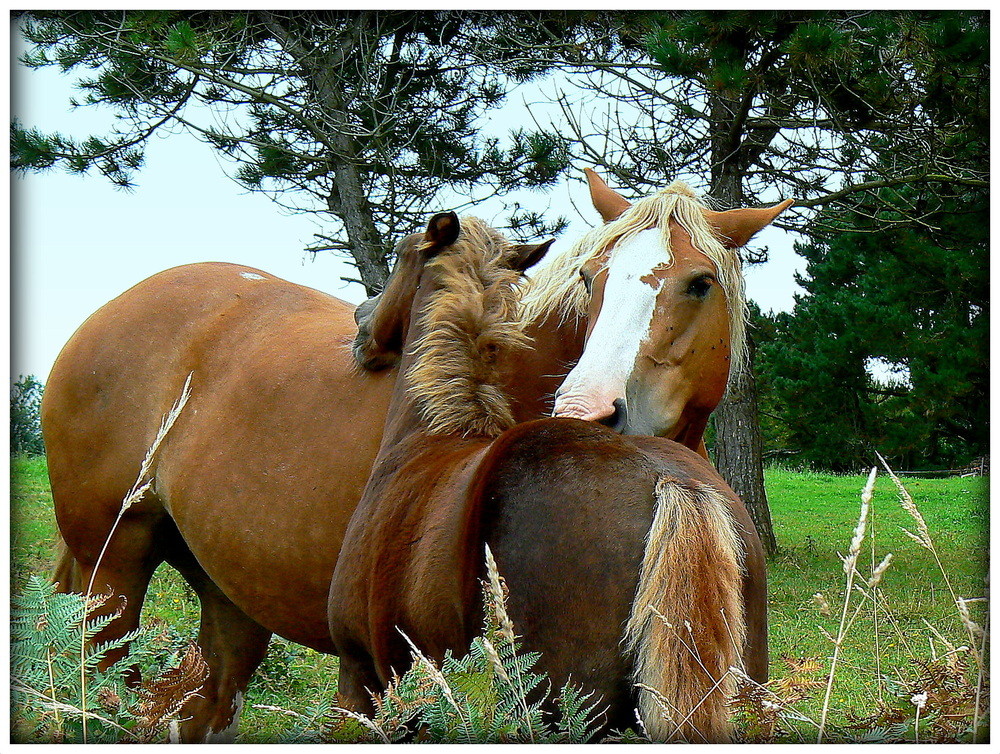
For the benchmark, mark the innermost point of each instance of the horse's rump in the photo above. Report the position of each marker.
(566, 507)
(276, 403)
(587, 529)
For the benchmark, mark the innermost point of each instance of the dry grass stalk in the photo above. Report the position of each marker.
(491, 652)
(819, 599)
(980, 683)
(365, 721)
(850, 568)
(924, 539)
(941, 704)
(435, 674)
(873, 582)
(497, 594)
(139, 488)
(499, 597)
(875, 579)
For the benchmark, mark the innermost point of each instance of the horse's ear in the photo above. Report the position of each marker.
(738, 226)
(528, 255)
(442, 231)
(610, 204)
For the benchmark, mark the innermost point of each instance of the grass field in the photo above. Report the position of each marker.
(814, 517)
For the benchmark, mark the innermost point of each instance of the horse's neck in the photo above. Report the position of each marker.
(403, 415)
(555, 349)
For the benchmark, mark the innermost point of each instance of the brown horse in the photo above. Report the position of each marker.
(595, 533)
(269, 457)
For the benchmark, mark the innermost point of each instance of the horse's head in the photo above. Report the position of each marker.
(383, 320)
(666, 312)
(460, 331)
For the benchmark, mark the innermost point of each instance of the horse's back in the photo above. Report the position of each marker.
(126, 365)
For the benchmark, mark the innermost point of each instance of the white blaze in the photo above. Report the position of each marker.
(622, 326)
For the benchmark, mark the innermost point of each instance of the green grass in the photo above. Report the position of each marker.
(814, 517)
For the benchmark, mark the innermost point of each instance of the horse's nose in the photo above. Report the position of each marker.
(616, 420)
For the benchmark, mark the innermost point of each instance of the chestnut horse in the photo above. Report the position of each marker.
(629, 560)
(257, 479)
(662, 289)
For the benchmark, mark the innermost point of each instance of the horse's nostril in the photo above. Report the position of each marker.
(616, 419)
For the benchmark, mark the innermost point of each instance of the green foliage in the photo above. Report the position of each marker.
(25, 427)
(56, 681)
(912, 296)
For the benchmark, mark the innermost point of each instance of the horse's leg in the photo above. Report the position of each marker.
(66, 574)
(233, 646)
(356, 682)
(124, 571)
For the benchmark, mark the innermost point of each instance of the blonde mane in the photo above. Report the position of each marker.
(558, 289)
(468, 328)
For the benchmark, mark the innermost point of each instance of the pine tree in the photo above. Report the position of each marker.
(913, 297)
(828, 107)
(365, 116)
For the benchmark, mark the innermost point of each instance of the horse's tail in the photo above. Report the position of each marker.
(66, 575)
(687, 627)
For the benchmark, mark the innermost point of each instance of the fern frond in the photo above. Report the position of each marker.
(47, 692)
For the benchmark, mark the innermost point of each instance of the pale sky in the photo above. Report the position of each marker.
(77, 242)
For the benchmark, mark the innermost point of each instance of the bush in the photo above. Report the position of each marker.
(25, 426)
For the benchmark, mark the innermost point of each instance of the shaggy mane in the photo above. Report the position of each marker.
(558, 288)
(469, 327)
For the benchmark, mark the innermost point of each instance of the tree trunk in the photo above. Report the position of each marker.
(347, 199)
(739, 450)
(350, 204)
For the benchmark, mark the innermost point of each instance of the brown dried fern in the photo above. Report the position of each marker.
(161, 698)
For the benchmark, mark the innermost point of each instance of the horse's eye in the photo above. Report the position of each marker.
(588, 279)
(699, 287)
